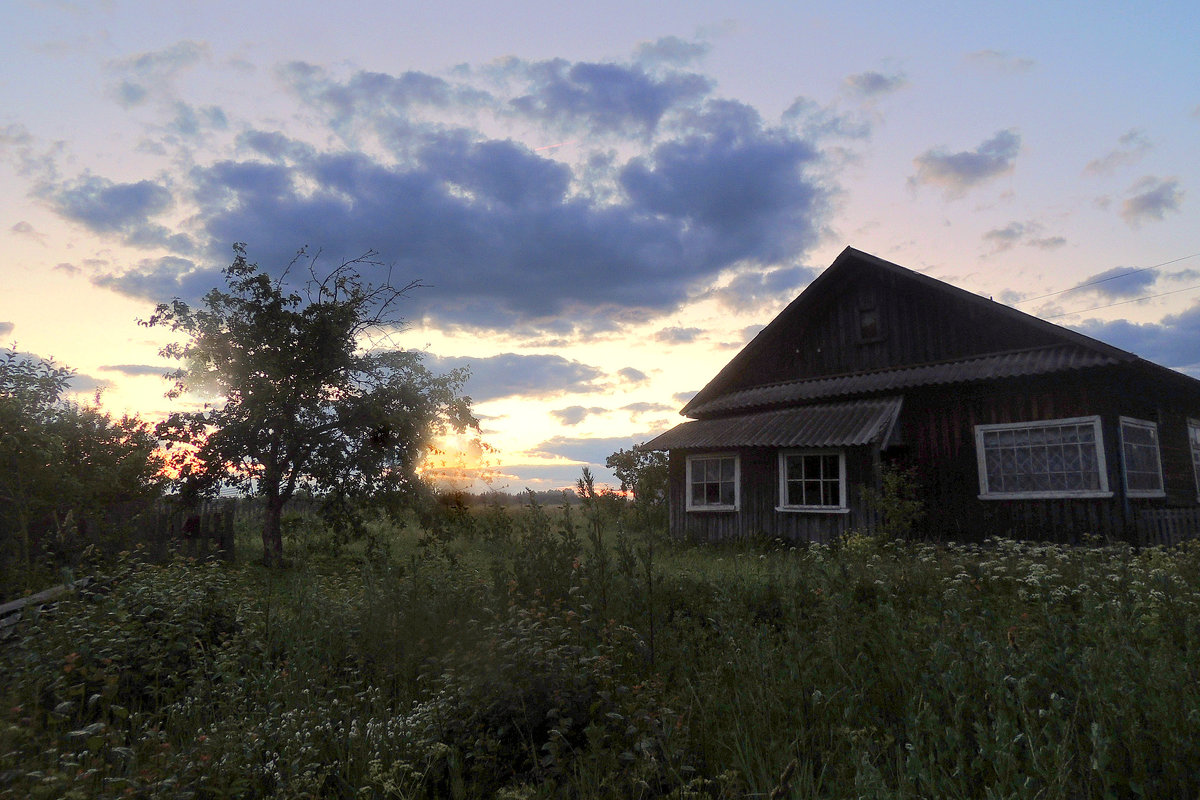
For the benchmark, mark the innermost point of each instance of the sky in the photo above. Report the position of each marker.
(603, 201)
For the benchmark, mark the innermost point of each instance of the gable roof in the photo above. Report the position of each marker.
(1067, 349)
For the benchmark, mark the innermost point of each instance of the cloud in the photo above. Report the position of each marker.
(161, 279)
(999, 61)
(874, 84)
(1131, 147)
(6, 328)
(67, 269)
(957, 172)
(80, 383)
(573, 415)
(138, 370)
(683, 397)
(1174, 342)
(602, 97)
(593, 451)
(1025, 233)
(153, 71)
(670, 50)
(637, 409)
(751, 289)
(1152, 199)
(190, 121)
(677, 335)
(631, 375)
(1120, 282)
(514, 375)
(818, 122)
(125, 209)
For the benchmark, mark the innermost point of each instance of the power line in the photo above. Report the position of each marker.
(1109, 278)
(1121, 302)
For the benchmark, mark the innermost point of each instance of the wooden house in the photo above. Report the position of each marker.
(1014, 426)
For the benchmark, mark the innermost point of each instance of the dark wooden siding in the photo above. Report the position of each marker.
(757, 517)
(917, 328)
(938, 432)
(937, 436)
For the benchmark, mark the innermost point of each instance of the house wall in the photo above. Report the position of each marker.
(759, 489)
(937, 428)
(937, 436)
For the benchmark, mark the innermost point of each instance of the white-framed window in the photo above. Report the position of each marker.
(1193, 426)
(1139, 458)
(713, 481)
(812, 480)
(1041, 460)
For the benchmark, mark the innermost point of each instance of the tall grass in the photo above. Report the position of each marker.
(567, 655)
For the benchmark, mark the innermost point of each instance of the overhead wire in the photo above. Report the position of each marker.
(1112, 278)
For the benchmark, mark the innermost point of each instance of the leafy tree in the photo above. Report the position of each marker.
(643, 472)
(62, 464)
(303, 404)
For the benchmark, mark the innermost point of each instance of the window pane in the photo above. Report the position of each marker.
(1050, 458)
(727, 469)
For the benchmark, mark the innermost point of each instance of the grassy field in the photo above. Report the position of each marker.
(530, 655)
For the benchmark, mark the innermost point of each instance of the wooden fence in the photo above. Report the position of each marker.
(1167, 526)
(11, 613)
(201, 532)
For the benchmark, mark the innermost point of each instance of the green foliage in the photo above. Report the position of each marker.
(303, 406)
(874, 669)
(897, 502)
(62, 467)
(643, 472)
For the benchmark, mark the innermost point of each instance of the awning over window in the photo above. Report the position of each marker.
(854, 422)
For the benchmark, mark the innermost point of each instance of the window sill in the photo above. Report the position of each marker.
(1047, 496)
(811, 510)
(1145, 495)
(711, 509)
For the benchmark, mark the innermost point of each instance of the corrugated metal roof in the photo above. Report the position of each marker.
(1036, 361)
(855, 422)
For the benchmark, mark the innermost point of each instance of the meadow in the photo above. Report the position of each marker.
(570, 653)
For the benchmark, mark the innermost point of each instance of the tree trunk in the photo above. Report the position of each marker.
(272, 534)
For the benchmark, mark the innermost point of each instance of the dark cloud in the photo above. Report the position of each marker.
(999, 61)
(1130, 149)
(145, 73)
(6, 328)
(514, 375)
(602, 97)
(750, 331)
(190, 121)
(752, 288)
(683, 397)
(591, 451)
(80, 383)
(68, 269)
(573, 415)
(137, 370)
(1151, 199)
(1025, 233)
(957, 172)
(670, 50)
(161, 279)
(874, 84)
(126, 209)
(495, 228)
(677, 335)
(1120, 282)
(1174, 342)
(631, 375)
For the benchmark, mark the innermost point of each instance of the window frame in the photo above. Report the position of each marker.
(690, 505)
(985, 491)
(843, 489)
(1134, 422)
(1193, 433)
